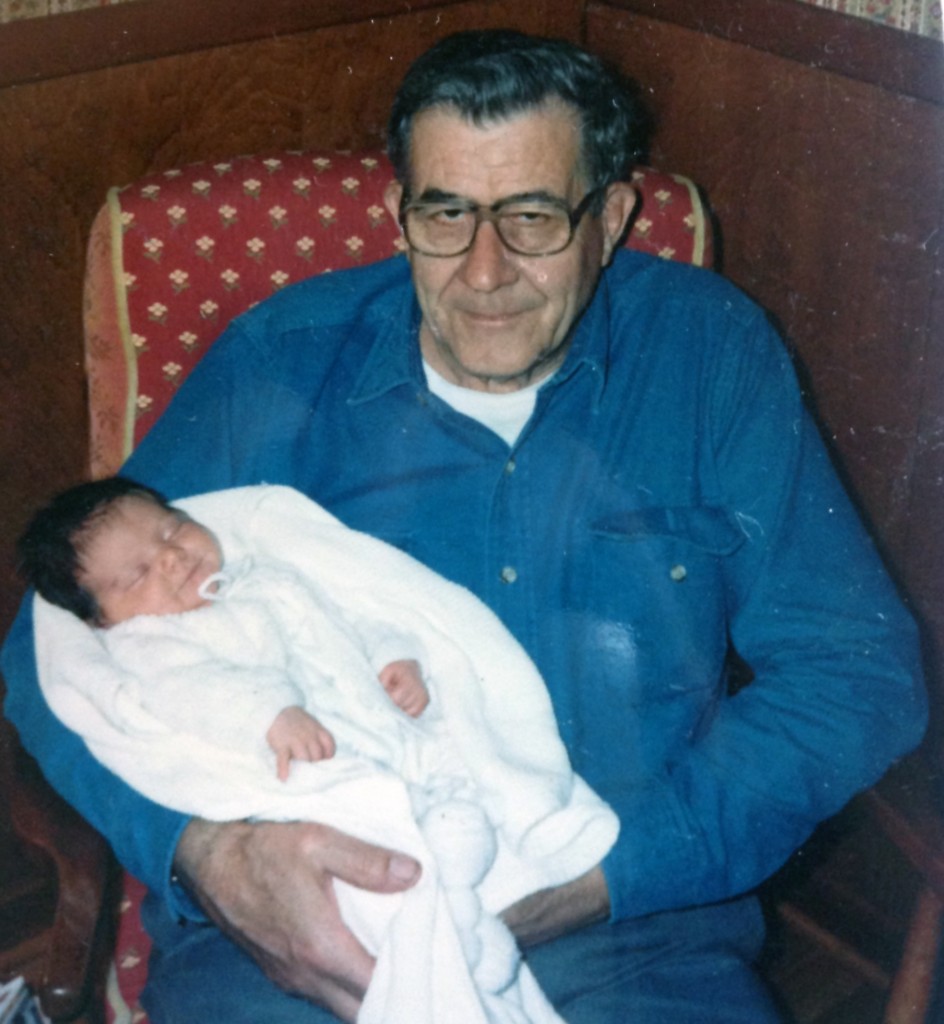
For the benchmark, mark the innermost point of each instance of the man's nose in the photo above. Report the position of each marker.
(488, 265)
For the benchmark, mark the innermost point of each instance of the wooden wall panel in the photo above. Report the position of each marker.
(89, 39)
(830, 197)
(65, 140)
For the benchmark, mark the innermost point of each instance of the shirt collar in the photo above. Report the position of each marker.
(590, 348)
(394, 357)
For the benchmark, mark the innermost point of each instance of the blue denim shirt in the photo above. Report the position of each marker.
(669, 497)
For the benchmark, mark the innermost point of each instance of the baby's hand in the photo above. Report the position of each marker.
(403, 682)
(297, 736)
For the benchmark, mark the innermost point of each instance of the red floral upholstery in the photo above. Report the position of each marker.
(175, 256)
(127, 972)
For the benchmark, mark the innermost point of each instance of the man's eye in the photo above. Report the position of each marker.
(445, 214)
(532, 216)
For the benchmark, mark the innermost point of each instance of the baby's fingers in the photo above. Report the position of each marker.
(327, 746)
(318, 745)
(283, 759)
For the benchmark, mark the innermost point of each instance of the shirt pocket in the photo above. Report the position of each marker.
(659, 597)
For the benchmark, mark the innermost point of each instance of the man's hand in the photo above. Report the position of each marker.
(297, 736)
(403, 681)
(268, 886)
(551, 913)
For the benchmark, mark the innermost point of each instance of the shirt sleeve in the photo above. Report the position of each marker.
(384, 644)
(837, 691)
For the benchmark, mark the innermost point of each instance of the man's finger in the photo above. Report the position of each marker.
(369, 867)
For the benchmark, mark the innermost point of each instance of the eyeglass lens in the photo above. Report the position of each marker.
(532, 228)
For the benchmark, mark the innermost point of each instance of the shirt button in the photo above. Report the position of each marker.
(508, 575)
(509, 467)
(678, 573)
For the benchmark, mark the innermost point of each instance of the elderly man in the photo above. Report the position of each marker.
(611, 452)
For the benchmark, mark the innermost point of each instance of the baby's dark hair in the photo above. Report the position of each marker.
(49, 552)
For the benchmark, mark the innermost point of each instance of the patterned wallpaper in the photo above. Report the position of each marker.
(922, 16)
(13, 10)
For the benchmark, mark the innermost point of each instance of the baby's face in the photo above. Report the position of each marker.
(146, 560)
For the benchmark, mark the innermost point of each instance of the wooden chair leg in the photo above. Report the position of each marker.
(841, 951)
(913, 985)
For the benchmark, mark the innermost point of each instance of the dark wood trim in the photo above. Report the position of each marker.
(38, 48)
(902, 62)
(33, 49)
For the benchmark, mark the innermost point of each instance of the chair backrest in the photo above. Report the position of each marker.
(175, 256)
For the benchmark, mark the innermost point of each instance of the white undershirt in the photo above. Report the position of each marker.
(504, 412)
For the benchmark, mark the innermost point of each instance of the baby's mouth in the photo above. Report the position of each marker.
(197, 576)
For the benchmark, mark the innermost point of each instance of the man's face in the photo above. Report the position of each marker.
(142, 559)
(494, 320)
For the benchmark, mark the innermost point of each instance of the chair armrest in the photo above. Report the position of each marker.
(82, 863)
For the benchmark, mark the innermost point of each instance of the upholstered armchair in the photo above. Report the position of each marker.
(172, 258)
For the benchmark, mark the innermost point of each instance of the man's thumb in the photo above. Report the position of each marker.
(376, 869)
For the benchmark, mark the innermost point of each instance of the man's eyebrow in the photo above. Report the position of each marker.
(535, 196)
(438, 195)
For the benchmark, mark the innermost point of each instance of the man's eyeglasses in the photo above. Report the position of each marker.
(529, 227)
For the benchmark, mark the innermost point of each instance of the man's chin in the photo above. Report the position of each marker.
(495, 378)
(491, 360)
(498, 373)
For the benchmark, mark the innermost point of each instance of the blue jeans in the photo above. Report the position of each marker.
(684, 967)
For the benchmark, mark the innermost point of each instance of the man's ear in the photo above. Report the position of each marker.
(621, 200)
(392, 195)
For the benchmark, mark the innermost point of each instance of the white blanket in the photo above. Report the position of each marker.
(441, 952)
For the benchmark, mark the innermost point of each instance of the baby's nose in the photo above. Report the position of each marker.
(173, 557)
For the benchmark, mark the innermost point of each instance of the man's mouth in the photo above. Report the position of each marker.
(497, 317)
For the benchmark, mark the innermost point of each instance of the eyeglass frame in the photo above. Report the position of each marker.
(492, 215)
